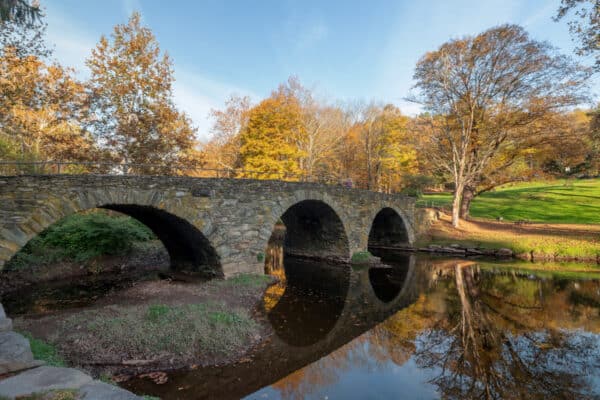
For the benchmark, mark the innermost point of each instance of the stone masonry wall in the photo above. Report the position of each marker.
(236, 216)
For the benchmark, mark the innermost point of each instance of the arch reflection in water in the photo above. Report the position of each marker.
(307, 303)
(387, 280)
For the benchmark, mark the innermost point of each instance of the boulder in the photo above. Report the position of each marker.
(103, 391)
(5, 325)
(504, 252)
(43, 379)
(474, 252)
(5, 322)
(15, 353)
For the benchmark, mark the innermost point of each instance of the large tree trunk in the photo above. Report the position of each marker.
(465, 205)
(456, 202)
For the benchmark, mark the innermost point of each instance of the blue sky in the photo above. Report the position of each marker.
(347, 50)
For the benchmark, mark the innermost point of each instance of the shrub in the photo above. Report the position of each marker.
(80, 237)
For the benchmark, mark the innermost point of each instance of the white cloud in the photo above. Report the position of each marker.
(197, 94)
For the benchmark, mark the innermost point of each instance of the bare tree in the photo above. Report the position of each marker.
(481, 91)
(585, 26)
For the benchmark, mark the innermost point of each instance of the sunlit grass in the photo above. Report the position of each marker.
(560, 201)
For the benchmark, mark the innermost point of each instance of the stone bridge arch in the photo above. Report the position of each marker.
(390, 227)
(328, 237)
(236, 216)
(188, 247)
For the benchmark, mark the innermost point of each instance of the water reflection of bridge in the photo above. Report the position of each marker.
(344, 303)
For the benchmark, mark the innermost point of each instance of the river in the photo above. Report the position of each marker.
(412, 327)
(418, 328)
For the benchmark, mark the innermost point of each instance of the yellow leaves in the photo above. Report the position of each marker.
(269, 141)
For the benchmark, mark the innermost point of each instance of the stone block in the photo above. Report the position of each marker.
(43, 379)
(15, 353)
(5, 325)
(103, 391)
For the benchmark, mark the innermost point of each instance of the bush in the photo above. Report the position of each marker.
(80, 237)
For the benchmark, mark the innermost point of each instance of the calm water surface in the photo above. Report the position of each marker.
(415, 329)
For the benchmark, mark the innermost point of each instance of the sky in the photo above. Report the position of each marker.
(345, 50)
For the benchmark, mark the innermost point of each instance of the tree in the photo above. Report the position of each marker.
(41, 110)
(324, 127)
(223, 150)
(585, 27)
(385, 155)
(19, 11)
(25, 39)
(269, 141)
(481, 91)
(134, 116)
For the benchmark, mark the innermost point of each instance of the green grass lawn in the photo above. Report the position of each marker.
(560, 201)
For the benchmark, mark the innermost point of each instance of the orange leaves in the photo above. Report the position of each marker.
(133, 102)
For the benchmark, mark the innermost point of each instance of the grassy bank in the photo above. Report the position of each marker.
(555, 220)
(82, 237)
(529, 241)
(560, 201)
(155, 325)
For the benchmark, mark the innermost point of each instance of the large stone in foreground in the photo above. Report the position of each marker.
(15, 353)
(5, 322)
(5, 325)
(103, 391)
(43, 379)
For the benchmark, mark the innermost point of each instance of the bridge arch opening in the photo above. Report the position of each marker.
(388, 230)
(302, 252)
(313, 229)
(188, 249)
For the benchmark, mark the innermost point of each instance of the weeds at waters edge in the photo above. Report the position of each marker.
(143, 332)
(44, 351)
(361, 257)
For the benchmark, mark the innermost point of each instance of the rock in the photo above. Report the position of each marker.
(2, 313)
(103, 391)
(5, 325)
(523, 256)
(15, 353)
(452, 250)
(474, 252)
(504, 252)
(43, 379)
(455, 246)
(434, 246)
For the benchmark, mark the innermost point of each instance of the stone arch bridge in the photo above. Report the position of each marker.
(216, 226)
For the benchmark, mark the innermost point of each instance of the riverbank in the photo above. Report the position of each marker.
(156, 325)
(527, 241)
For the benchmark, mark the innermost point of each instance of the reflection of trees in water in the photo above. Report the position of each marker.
(485, 335)
(502, 342)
